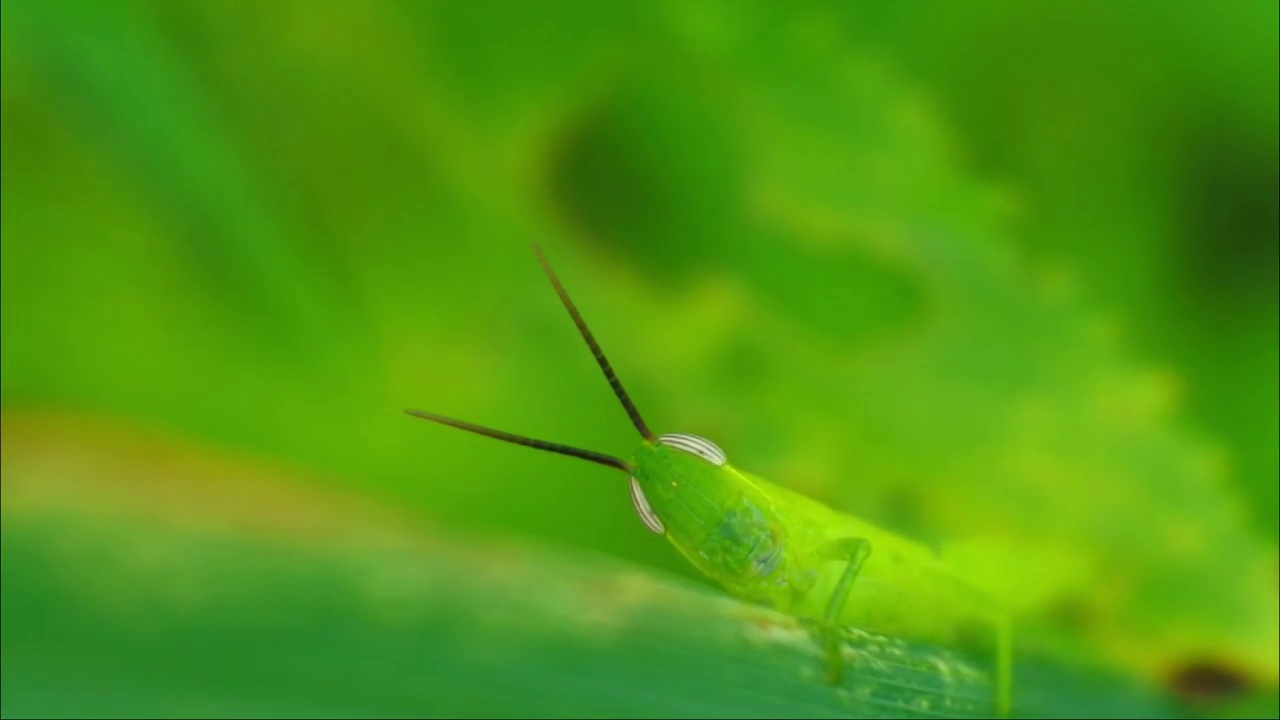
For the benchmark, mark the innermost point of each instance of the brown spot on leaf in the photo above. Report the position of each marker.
(1205, 680)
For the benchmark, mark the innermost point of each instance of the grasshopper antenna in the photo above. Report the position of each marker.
(594, 457)
(601, 360)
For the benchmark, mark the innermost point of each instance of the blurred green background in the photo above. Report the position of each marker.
(982, 269)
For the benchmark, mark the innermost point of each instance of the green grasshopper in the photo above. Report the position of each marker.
(772, 546)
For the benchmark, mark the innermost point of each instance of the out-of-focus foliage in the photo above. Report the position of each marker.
(990, 270)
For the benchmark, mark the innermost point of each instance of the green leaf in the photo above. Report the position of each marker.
(147, 578)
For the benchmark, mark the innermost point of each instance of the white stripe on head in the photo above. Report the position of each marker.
(699, 446)
(638, 499)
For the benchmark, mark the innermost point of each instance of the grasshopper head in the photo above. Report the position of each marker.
(684, 489)
(676, 482)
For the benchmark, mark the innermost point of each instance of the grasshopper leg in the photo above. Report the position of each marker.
(854, 551)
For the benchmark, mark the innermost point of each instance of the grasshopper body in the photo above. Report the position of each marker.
(772, 546)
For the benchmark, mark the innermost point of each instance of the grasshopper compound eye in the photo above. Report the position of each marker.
(695, 445)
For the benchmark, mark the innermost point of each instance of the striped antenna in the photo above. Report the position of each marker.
(594, 457)
(601, 360)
